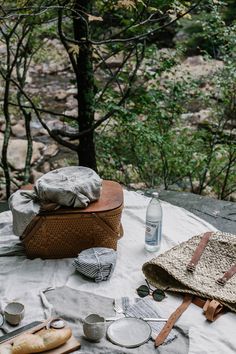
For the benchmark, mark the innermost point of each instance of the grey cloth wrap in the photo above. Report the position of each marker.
(74, 305)
(97, 263)
(24, 207)
(74, 186)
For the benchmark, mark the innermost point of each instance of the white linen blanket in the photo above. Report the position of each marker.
(25, 280)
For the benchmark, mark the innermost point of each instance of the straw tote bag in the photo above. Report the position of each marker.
(64, 232)
(203, 268)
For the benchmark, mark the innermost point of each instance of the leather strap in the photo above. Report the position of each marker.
(198, 252)
(172, 319)
(212, 310)
(227, 275)
(198, 301)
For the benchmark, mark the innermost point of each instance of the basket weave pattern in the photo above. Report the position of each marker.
(170, 269)
(65, 235)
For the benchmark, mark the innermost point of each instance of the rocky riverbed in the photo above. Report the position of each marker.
(52, 83)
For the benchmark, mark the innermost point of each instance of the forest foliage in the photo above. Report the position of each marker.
(141, 134)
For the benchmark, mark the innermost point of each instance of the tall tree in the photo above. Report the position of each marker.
(93, 33)
(85, 86)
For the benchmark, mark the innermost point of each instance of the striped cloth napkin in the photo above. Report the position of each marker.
(96, 263)
(141, 308)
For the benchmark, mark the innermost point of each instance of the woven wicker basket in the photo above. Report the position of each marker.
(67, 231)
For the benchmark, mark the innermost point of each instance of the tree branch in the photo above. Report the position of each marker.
(137, 38)
(115, 75)
(64, 42)
(45, 111)
(50, 132)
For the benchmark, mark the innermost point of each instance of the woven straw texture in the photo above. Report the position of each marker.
(170, 269)
(65, 235)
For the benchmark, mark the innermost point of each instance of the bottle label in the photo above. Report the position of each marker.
(152, 234)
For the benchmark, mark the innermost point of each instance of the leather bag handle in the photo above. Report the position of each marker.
(212, 309)
(197, 255)
(172, 319)
(198, 252)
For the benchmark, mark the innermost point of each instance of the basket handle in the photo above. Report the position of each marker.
(105, 226)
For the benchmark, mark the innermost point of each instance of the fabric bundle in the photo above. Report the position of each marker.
(74, 186)
(96, 263)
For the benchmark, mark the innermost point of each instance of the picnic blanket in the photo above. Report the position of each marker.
(27, 280)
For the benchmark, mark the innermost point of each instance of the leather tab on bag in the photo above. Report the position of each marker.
(227, 275)
(172, 319)
(198, 252)
(212, 309)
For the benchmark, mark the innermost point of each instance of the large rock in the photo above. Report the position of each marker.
(58, 124)
(35, 175)
(195, 68)
(61, 94)
(115, 61)
(18, 129)
(71, 102)
(201, 117)
(17, 149)
(72, 113)
(51, 150)
(220, 213)
(3, 48)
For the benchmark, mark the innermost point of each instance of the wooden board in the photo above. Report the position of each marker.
(71, 345)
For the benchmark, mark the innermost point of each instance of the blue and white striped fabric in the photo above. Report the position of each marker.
(97, 263)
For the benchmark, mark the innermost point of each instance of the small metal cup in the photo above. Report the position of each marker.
(14, 313)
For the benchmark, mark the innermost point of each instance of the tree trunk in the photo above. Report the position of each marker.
(7, 132)
(86, 92)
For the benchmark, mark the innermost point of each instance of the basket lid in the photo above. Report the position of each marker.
(111, 197)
